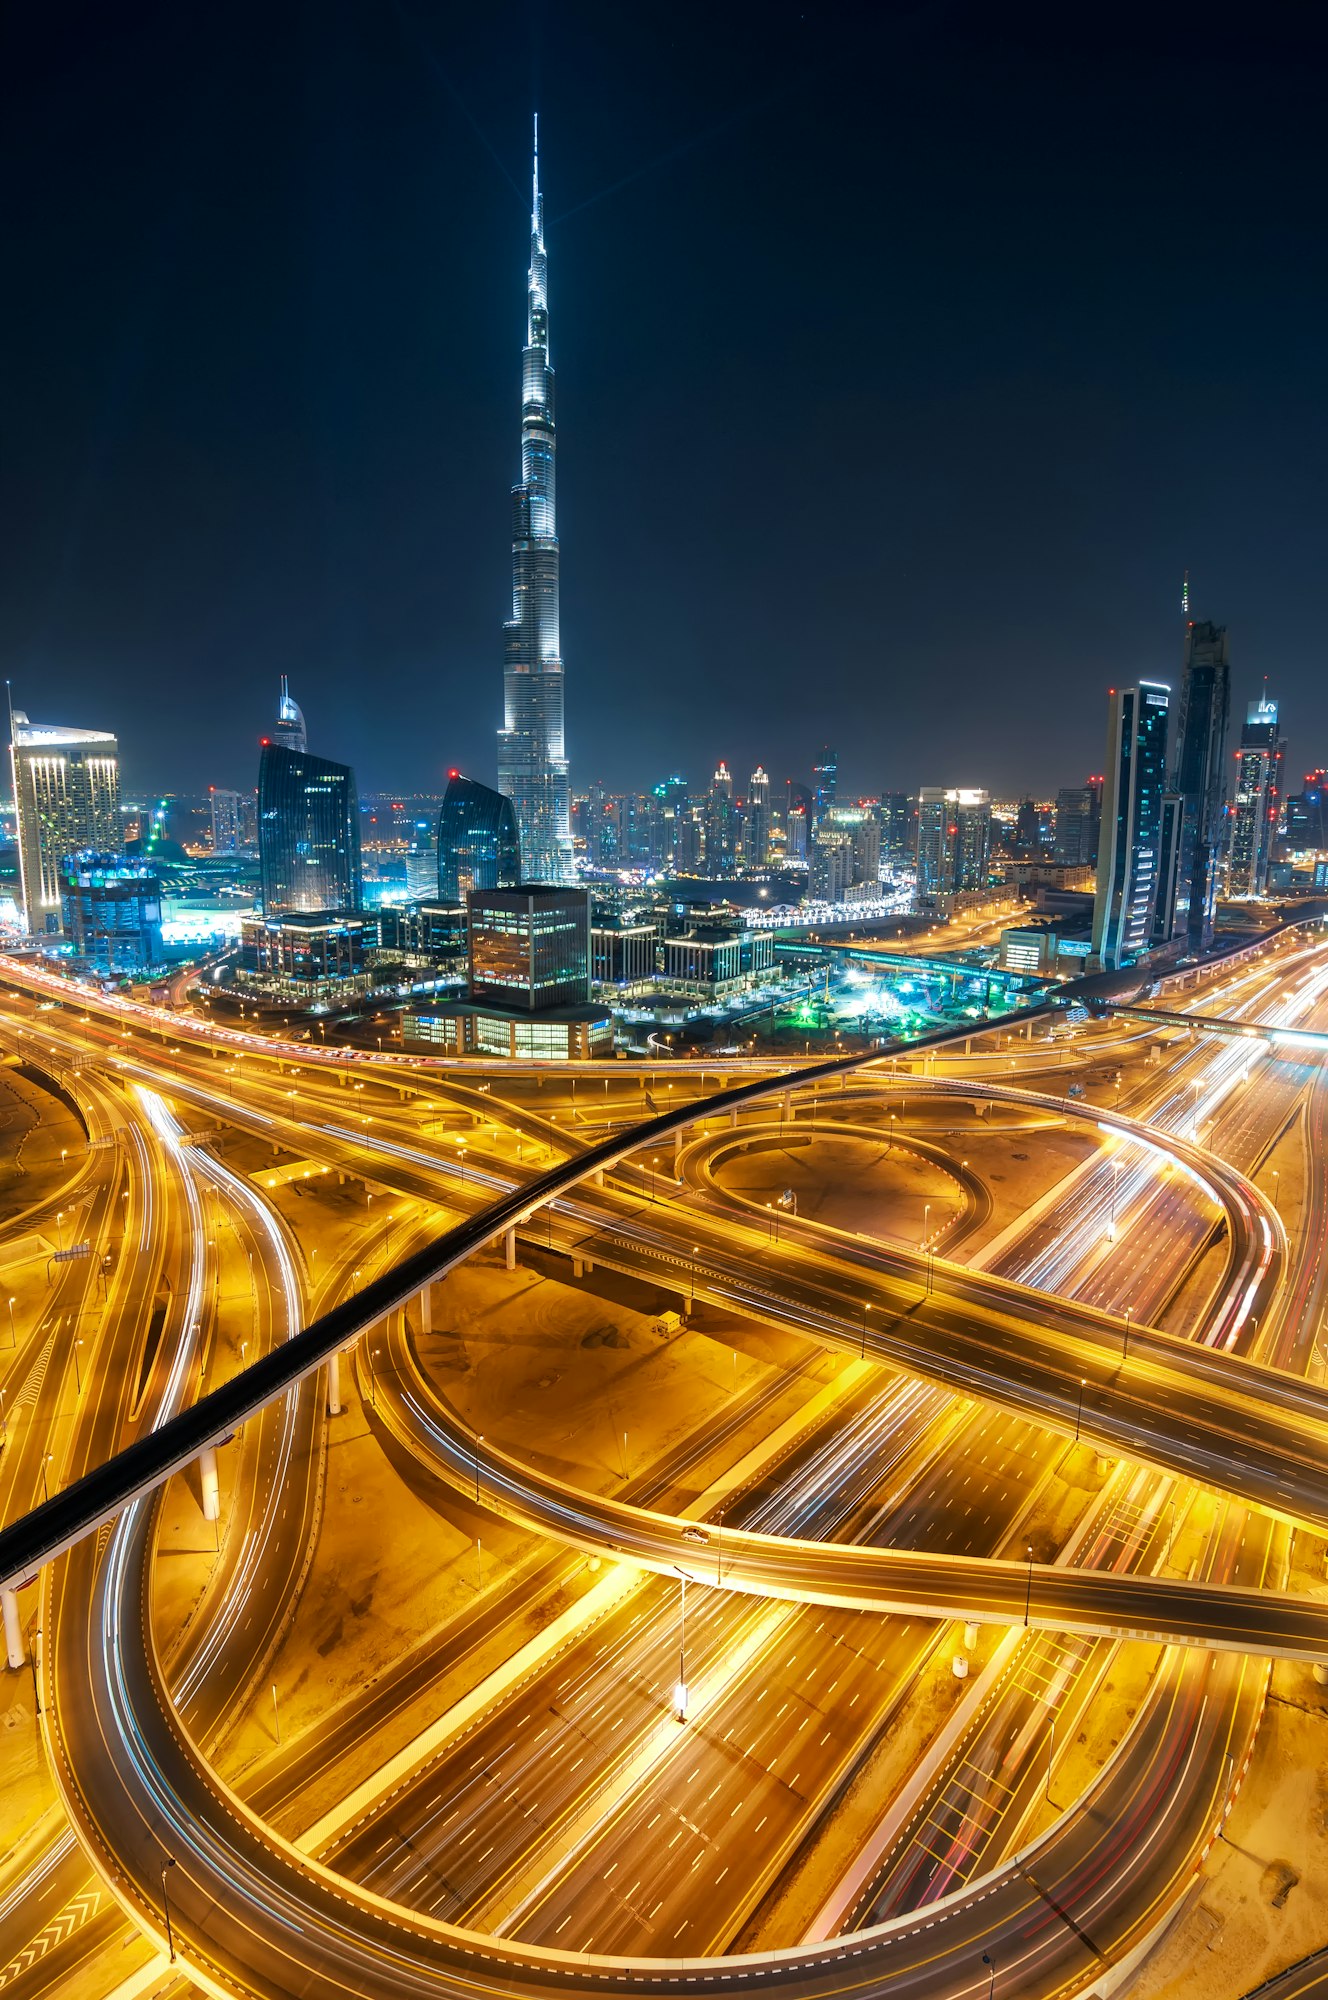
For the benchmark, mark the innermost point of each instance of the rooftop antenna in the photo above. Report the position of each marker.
(1185, 596)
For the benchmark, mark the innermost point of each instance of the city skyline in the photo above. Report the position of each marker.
(665, 1166)
(152, 554)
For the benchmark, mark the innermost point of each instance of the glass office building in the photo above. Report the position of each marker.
(111, 912)
(478, 843)
(308, 832)
(1136, 869)
(530, 946)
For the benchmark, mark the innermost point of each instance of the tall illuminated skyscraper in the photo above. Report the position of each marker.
(532, 760)
(67, 798)
(1200, 777)
(1254, 815)
(1135, 861)
(308, 823)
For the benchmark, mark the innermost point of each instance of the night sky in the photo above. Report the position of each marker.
(906, 356)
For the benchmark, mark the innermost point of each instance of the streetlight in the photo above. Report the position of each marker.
(1276, 1178)
(991, 1988)
(1125, 1350)
(865, 1310)
(696, 1251)
(1079, 1413)
(479, 1440)
(13, 1337)
(680, 1692)
(1028, 1594)
(169, 1862)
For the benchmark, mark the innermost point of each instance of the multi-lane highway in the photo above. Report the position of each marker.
(1205, 1417)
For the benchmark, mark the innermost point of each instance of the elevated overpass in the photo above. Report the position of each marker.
(1311, 1040)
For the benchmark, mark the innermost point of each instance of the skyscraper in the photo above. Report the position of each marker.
(1307, 815)
(289, 726)
(225, 819)
(825, 778)
(954, 840)
(1132, 869)
(1254, 814)
(1078, 823)
(719, 841)
(308, 826)
(1200, 776)
(758, 820)
(532, 761)
(67, 799)
(478, 844)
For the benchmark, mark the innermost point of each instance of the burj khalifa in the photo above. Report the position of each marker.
(532, 761)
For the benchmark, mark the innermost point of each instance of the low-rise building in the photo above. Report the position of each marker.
(308, 955)
(713, 962)
(556, 1034)
(624, 957)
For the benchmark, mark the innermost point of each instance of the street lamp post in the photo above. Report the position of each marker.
(1028, 1594)
(1079, 1413)
(13, 1337)
(865, 1310)
(169, 1862)
(479, 1440)
(987, 1959)
(1125, 1349)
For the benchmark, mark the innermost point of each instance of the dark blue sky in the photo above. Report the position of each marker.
(906, 356)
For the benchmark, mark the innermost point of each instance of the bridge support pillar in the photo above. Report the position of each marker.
(677, 1151)
(509, 1249)
(426, 1308)
(1320, 1671)
(733, 1116)
(580, 1266)
(207, 1470)
(334, 1405)
(598, 1177)
(15, 1652)
(788, 1105)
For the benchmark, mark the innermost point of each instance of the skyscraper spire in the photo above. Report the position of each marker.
(532, 763)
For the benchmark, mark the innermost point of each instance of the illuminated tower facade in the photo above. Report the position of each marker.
(532, 760)
(1135, 900)
(1255, 809)
(67, 798)
(1200, 776)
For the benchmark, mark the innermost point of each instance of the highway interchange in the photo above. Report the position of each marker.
(1131, 1365)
